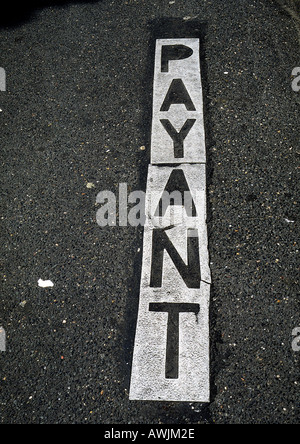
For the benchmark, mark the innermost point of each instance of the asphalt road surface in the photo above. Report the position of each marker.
(75, 120)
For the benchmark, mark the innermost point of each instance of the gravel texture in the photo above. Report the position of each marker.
(75, 120)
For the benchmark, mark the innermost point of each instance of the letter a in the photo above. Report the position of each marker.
(178, 95)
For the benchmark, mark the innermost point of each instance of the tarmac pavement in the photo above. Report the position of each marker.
(75, 120)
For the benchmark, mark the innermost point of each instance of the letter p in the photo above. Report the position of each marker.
(174, 52)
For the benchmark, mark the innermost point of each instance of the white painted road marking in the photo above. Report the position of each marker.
(150, 365)
(176, 216)
(177, 104)
(171, 352)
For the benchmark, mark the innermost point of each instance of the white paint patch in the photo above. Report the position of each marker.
(176, 216)
(171, 353)
(149, 380)
(188, 71)
(45, 284)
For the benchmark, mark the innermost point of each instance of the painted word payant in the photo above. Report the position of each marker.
(171, 353)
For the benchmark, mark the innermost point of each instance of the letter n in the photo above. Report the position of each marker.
(189, 272)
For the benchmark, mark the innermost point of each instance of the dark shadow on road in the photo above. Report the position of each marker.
(292, 8)
(14, 14)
